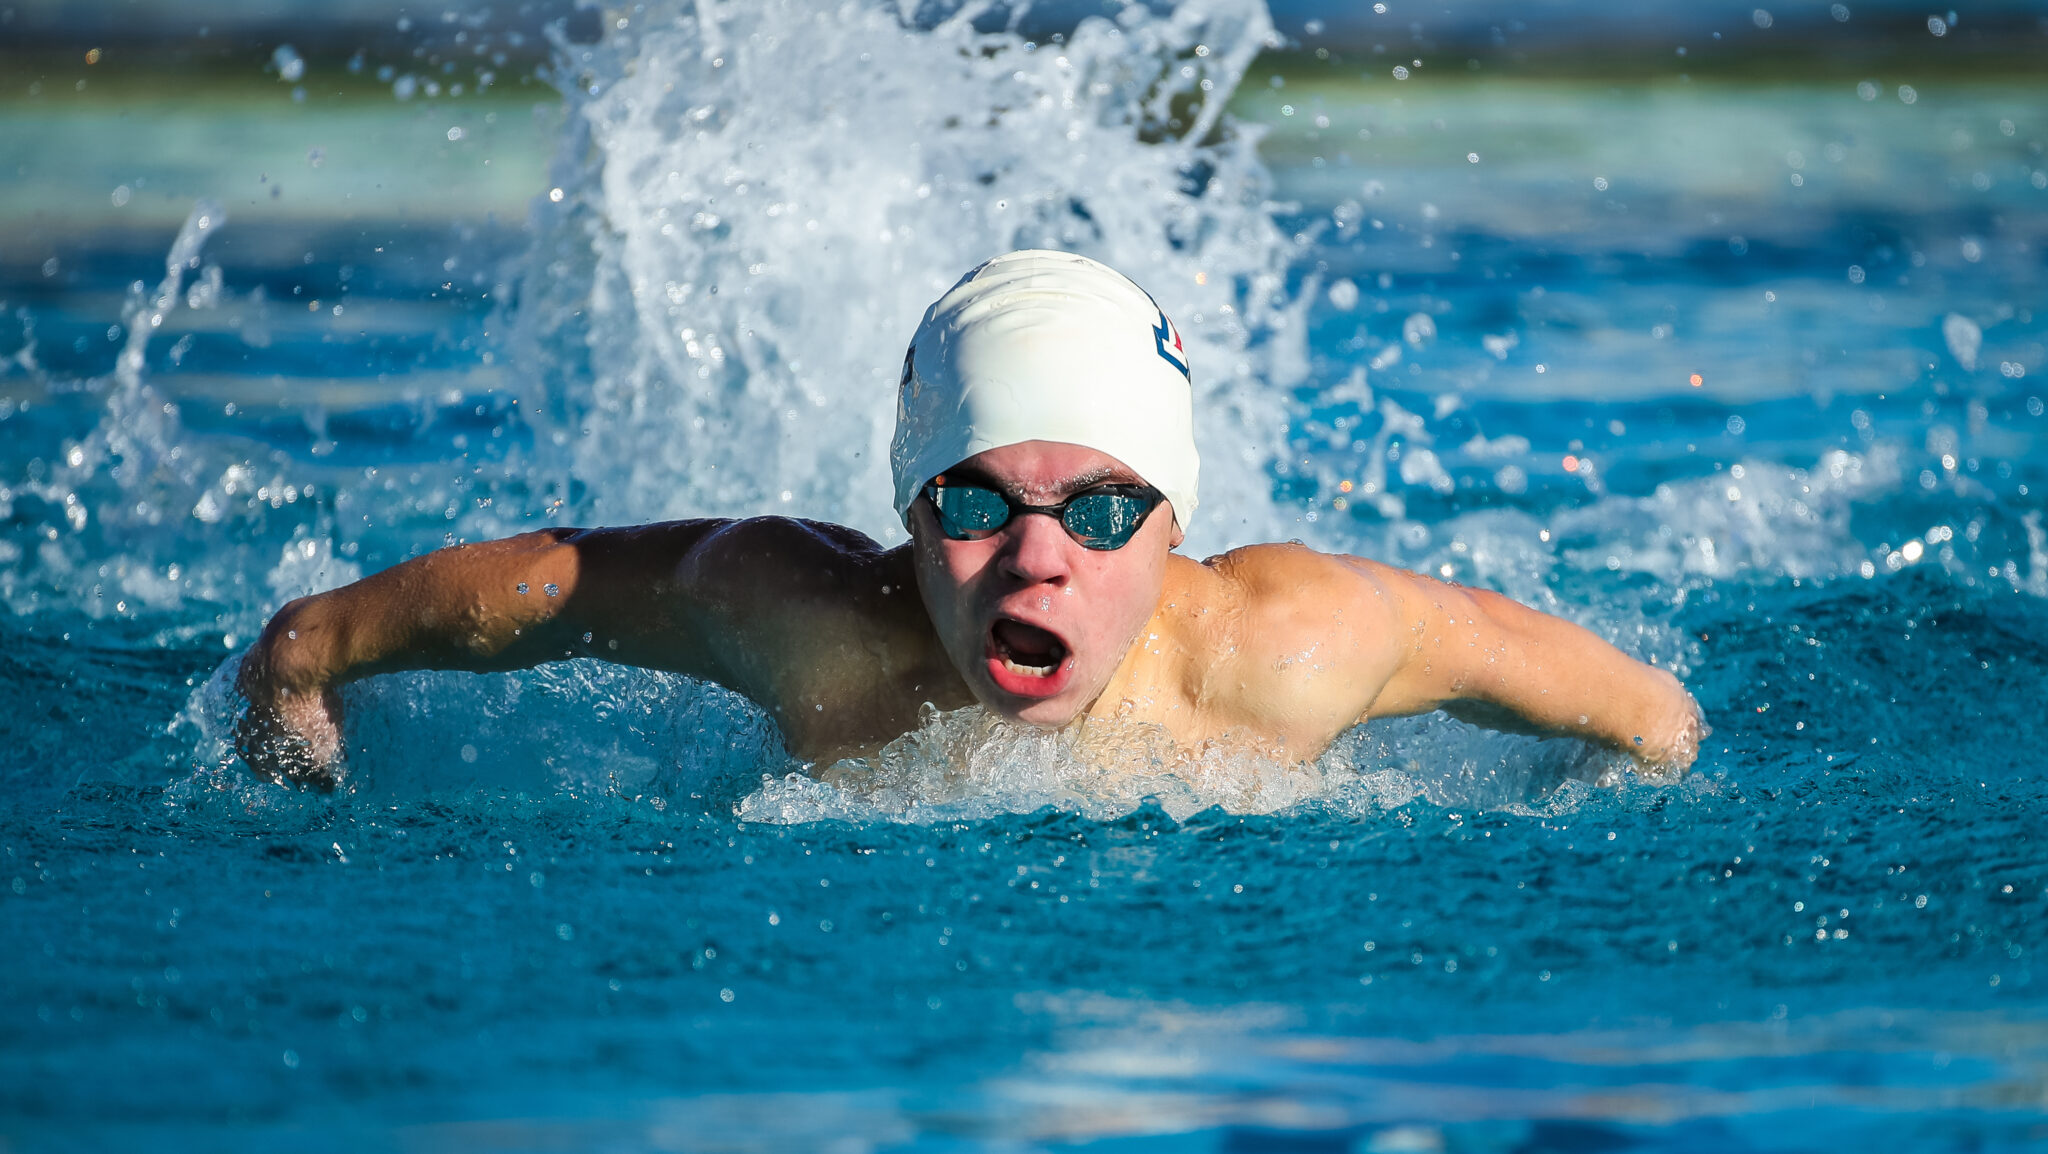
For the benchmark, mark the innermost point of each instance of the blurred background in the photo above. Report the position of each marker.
(318, 126)
(389, 160)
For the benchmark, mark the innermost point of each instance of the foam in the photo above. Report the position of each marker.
(969, 764)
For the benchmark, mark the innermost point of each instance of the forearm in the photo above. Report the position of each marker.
(1657, 722)
(1559, 678)
(490, 606)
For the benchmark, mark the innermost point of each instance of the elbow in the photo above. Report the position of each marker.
(292, 651)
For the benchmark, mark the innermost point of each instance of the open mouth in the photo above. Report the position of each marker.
(1026, 660)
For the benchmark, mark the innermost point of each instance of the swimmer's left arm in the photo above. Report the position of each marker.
(1490, 660)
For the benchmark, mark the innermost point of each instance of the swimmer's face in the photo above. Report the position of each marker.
(1034, 621)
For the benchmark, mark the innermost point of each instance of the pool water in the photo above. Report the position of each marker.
(1744, 374)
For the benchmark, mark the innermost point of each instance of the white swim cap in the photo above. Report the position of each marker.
(1046, 346)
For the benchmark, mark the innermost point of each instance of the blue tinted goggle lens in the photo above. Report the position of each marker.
(967, 512)
(1101, 519)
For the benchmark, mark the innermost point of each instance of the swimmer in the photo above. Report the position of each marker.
(1044, 464)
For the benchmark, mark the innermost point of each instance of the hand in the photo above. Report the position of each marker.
(289, 735)
(1687, 726)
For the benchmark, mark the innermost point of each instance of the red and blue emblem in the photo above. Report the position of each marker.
(1167, 338)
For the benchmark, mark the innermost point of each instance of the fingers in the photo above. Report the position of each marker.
(1678, 753)
(293, 741)
(289, 736)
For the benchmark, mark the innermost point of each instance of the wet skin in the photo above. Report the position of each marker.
(842, 641)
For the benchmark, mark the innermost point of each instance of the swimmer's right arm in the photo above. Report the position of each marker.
(626, 595)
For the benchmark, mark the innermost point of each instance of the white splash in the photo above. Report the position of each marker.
(969, 764)
(126, 488)
(761, 199)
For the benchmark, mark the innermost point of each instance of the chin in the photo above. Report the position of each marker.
(1041, 714)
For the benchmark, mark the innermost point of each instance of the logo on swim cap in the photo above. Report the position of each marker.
(1167, 338)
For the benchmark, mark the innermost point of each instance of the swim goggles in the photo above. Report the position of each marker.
(1102, 518)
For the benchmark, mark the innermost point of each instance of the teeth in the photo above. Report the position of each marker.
(1028, 670)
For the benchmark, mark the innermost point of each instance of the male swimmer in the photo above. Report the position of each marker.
(1044, 463)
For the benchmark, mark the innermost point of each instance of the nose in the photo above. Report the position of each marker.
(1037, 550)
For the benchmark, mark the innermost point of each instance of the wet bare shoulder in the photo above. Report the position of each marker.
(823, 628)
(1282, 643)
(802, 588)
(1290, 578)
(780, 557)
(1305, 626)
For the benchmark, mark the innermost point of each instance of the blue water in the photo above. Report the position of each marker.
(586, 908)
